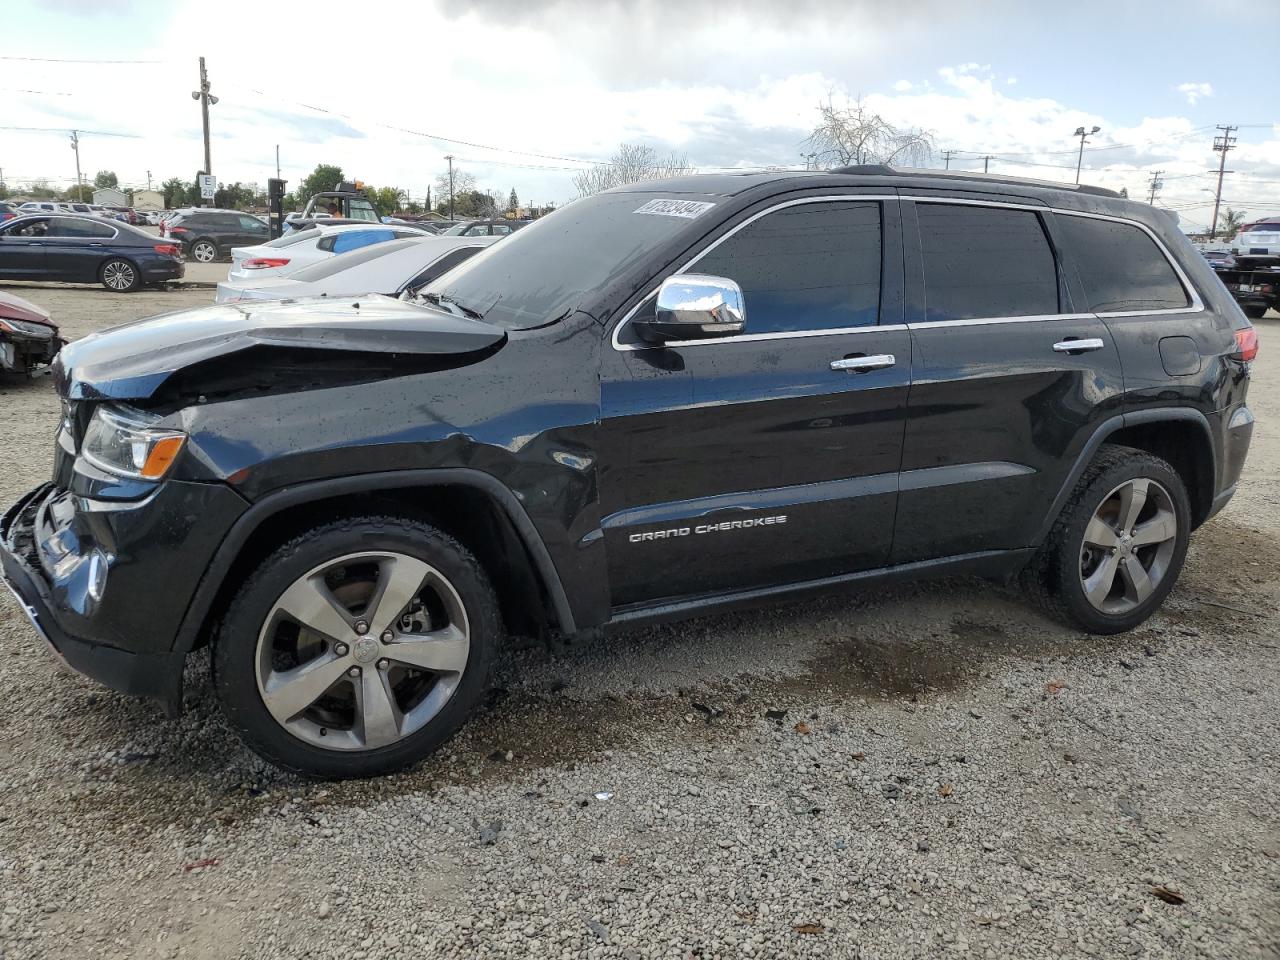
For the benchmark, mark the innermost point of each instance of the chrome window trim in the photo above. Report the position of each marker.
(1196, 305)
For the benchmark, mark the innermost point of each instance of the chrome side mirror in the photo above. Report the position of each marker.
(694, 306)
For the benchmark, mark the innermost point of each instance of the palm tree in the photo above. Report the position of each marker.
(1229, 222)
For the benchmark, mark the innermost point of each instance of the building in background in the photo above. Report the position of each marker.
(147, 200)
(110, 197)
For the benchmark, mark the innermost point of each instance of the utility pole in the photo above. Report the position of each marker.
(75, 145)
(946, 158)
(277, 161)
(450, 159)
(1222, 144)
(148, 180)
(205, 98)
(1080, 132)
(985, 162)
(1156, 184)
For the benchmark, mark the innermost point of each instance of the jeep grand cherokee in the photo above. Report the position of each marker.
(666, 399)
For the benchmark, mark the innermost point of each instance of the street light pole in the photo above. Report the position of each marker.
(450, 159)
(75, 145)
(1080, 132)
(205, 98)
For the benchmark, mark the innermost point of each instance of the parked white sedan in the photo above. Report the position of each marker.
(301, 248)
(389, 268)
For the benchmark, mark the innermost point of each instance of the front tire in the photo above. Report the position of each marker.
(120, 276)
(1118, 546)
(357, 648)
(205, 251)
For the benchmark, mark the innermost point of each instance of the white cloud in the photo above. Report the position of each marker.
(1195, 91)
(902, 86)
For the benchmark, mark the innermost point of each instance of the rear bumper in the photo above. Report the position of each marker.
(167, 268)
(1235, 449)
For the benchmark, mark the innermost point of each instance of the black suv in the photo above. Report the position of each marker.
(208, 235)
(665, 399)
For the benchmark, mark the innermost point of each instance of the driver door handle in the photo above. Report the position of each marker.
(864, 364)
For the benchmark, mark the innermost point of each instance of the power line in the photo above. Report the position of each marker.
(95, 133)
(60, 60)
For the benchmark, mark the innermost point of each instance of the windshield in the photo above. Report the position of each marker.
(542, 272)
(297, 236)
(343, 261)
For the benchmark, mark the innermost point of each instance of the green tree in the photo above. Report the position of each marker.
(513, 202)
(1229, 223)
(106, 178)
(40, 190)
(175, 192)
(79, 193)
(326, 176)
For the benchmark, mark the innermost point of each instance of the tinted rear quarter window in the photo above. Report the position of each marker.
(809, 267)
(442, 266)
(985, 262)
(1120, 266)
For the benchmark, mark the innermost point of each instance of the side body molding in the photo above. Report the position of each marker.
(293, 496)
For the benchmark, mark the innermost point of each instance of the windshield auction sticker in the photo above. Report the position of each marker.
(687, 209)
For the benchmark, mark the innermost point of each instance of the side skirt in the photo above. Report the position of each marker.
(988, 563)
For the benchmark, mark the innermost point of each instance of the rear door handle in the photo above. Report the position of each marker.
(864, 364)
(1078, 346)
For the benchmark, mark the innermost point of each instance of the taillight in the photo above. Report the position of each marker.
(178, 230)
(1246, 344)
(264, 263)
(167, 250)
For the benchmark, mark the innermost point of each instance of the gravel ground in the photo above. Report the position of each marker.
(914, 772)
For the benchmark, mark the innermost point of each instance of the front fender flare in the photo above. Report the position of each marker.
(211, 583)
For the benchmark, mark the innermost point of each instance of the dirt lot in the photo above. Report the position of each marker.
(953, 774)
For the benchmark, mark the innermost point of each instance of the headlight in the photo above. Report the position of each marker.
(126, 443)
(26, 328)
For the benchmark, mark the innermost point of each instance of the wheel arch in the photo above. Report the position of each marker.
(1179, 435)
(470, 505)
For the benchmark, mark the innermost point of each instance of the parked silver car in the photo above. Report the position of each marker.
(390, 268)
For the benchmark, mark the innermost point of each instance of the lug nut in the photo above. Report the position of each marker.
(384, 663)
(353, 672)
(340, 649)
(387, 636)
(362, 627)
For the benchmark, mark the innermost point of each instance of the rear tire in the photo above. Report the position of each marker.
(375, 674)
(205, 251)
(1117, 548)
(120, 276)
(1255, 313)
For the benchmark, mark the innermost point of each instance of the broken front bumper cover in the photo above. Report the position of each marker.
(154, 675)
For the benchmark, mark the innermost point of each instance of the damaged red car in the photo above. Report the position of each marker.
(28, 337)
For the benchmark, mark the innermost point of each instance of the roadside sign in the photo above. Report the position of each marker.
(208, 186)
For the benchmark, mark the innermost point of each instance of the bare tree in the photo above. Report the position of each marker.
(463, 182)
(851, 133)
(631, 164)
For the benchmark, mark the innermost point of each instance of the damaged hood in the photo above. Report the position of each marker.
(133, 361)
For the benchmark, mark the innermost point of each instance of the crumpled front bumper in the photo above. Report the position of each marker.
(107, 585)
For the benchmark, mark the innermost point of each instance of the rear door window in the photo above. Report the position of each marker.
(810, 267)
(982, 262)
(1120, 266)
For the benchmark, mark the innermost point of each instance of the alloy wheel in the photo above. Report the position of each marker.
(362, 651)
(118, 275)
(1128, 545)
(204, 252)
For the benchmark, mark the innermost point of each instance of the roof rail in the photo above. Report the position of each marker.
(884, 170)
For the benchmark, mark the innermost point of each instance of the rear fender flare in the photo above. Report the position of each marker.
(1105, 430)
